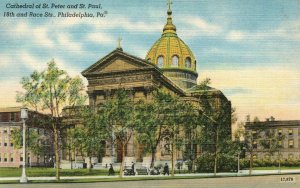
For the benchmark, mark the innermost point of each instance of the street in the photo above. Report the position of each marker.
(271, 181)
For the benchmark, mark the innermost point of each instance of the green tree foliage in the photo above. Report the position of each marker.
(88, 137)
(214, 116)
(272, 143)
(150, 119)
(34, 141)
(49, 91)
(117, 114)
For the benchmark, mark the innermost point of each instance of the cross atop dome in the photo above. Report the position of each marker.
(169, 4)
(169, 27)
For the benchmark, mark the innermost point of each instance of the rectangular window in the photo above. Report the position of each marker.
(279, 132)
(21, 159)
(11, 159)
(5, 144)
(13, 116)
(11, 144)
(5, 157)
(291, 143)
(5, 130)
(290, 132)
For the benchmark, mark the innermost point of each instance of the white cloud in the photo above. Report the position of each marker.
(67, 43)
(196, 26)
(289, 30)
(39, 35)
(236, 35)
(101, 38)
(32, 62)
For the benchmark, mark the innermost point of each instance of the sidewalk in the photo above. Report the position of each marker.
(242, 173)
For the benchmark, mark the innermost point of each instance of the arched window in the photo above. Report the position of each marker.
(175, 61)
(160, 61)
(188, 62)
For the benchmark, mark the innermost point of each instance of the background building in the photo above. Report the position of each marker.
(10, 156)
(288, 147)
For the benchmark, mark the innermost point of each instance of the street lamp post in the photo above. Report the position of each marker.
(24, 116)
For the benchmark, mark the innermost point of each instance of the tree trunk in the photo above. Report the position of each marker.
(90, 164)
(122, 161)
(216, 153)
(173, 158)
(153, 152)
(57, 161)
(251, 163)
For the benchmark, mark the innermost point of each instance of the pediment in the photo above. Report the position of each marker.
(116, 61)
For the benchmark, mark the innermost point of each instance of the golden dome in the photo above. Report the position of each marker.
(171, 54)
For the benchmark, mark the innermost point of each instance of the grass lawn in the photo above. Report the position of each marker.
(276, 168)
(42, 172)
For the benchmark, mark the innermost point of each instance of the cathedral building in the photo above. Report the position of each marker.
(169, 65)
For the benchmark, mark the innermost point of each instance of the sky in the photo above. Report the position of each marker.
(249, 49)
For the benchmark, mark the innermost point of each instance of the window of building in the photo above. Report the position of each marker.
(279, 132)
(21, 159)
(5, 157)
(188, 62)
(5, 144)
(160, 61)
(13, 116)
(291, 143)
(254, 145)
(175, 60)
(11, 144)
(5, 130)
(11, 157)
(290, 132)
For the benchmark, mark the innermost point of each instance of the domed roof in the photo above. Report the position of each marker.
(170, 51)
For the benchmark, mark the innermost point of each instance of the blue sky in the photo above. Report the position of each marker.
(250, 49)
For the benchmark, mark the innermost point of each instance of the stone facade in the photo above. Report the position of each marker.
(290, 145)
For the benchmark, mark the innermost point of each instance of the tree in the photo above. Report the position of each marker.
(34, 141)
(251, 144)
(214, 115)
(150, 119)
(272, 143)
(117, 114)
(49, 91)
(92, 134)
